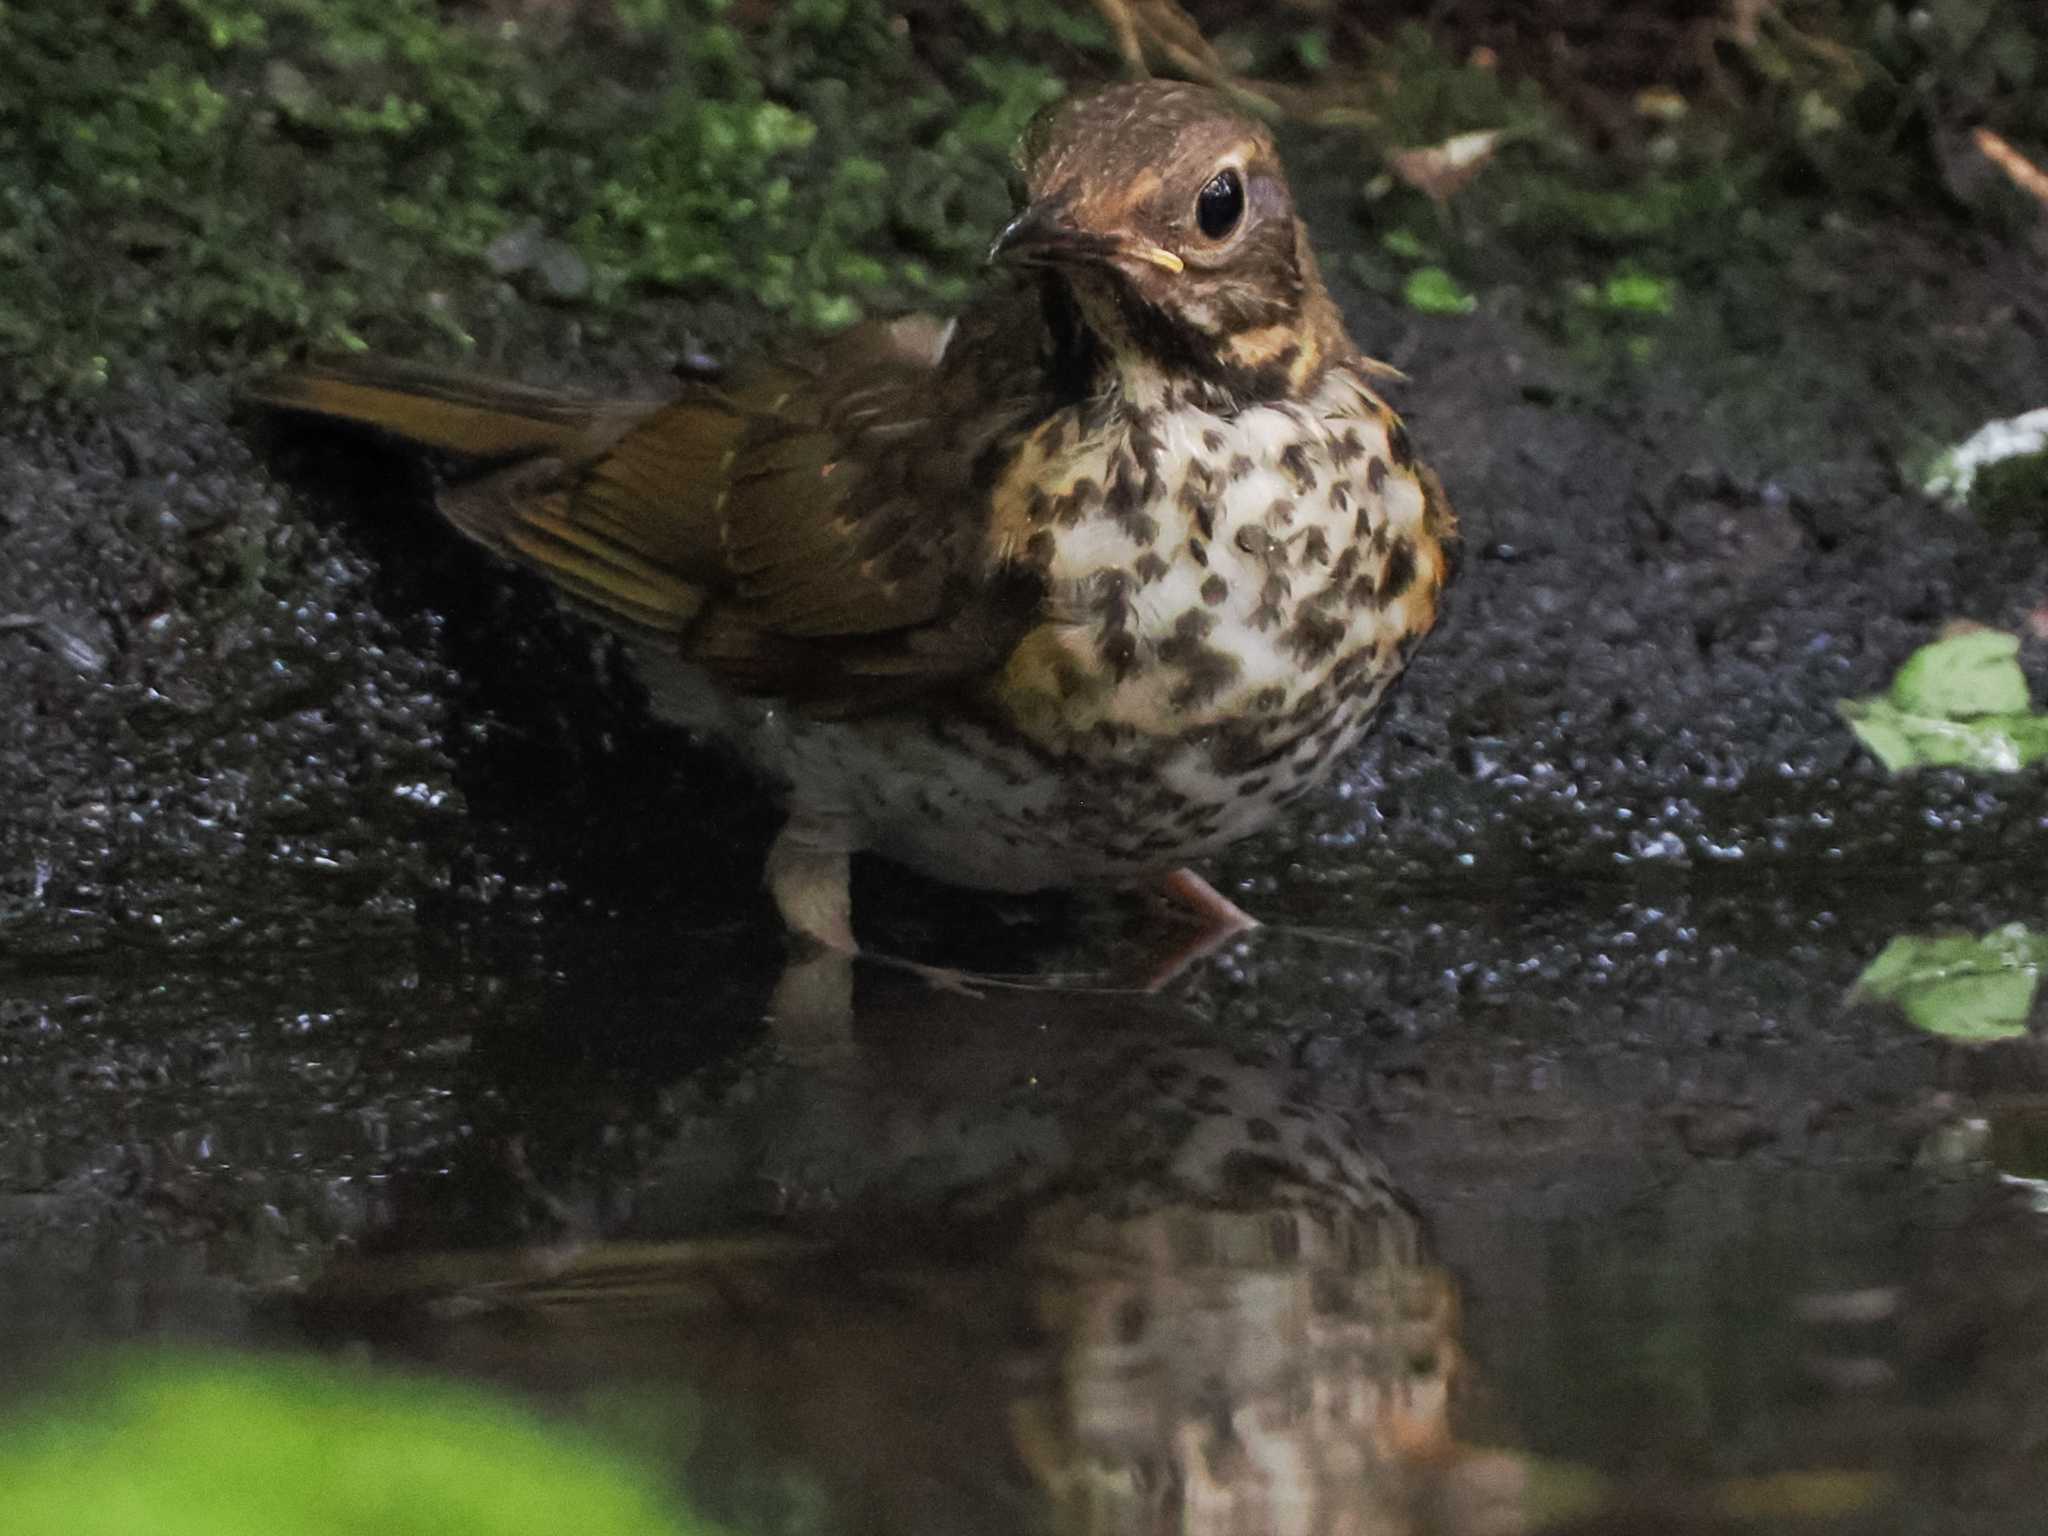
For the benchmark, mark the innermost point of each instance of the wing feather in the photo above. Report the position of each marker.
(814, 530)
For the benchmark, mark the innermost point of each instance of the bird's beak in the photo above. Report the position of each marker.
(1045, 235)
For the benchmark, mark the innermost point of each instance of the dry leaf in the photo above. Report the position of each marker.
(1440, 171)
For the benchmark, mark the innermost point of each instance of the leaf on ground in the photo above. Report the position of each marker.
(1434, 291)
(1440, 171)
(1959, 986)
(1404, 243)
(1973, 672)
(1902, 741)
(1960, 702)
(1955, 473)
(1631, 292)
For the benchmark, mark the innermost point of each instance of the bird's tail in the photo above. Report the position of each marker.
(623, 521)
(459, 413)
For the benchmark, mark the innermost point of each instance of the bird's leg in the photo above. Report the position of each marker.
(810, 1012)
(809, 875)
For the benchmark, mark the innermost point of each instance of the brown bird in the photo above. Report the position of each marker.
(1098, 577)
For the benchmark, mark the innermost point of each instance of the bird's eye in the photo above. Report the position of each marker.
(1220, 205)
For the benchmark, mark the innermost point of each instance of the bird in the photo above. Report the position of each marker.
(1096, 577)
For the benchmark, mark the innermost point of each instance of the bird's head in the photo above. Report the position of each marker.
(1164, 212)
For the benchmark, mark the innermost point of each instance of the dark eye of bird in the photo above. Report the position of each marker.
(1220, 205)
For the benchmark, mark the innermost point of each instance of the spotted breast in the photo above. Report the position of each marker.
(1227, 599)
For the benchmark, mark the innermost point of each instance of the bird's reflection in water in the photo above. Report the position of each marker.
(1045, 1263)
(1283, 1364)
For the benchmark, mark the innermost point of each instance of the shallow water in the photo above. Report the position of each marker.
(1591, 1201)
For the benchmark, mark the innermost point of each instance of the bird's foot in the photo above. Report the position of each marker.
(1188, 890)
(1219, 918)
(940, 978)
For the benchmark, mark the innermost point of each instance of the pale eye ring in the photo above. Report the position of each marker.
(1220, 205)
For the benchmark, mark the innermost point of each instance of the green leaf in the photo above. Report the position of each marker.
(1961, 987)
(1404, 243)
(194, 1445)
(1435, 292)
(1903, 741)
(1960, 702)
(1973, 673)
(1638, 293)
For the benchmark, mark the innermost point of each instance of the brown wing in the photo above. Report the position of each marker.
(813, 530)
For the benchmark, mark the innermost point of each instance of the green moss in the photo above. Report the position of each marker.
(1434, 291)
(1579, 236)
(1406, 245)
(1427, 96)
(202, 183)
(1631, 292)
(1714, 234)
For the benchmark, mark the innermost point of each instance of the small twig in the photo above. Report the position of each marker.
(1744, 17)
(1124, 26)
(2026, 175)
(55, 637)
(1147, 29)
(1827, 50)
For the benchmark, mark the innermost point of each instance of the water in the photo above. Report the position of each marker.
(1553, 1203)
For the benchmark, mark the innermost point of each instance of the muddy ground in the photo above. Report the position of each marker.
(350, 904)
